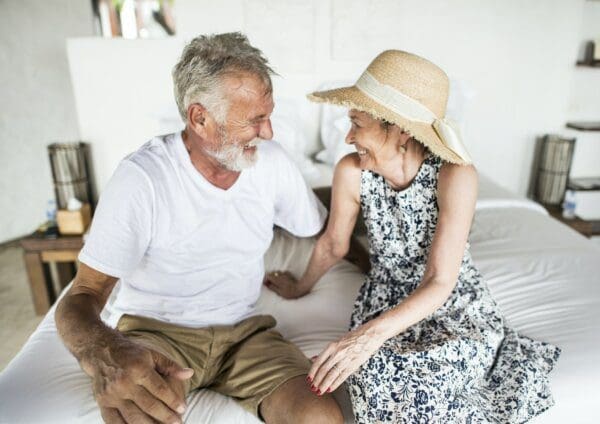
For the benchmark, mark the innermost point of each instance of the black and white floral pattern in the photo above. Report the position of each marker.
(461, 364)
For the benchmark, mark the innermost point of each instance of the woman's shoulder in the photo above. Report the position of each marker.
(462, 177)
(347, 174)
(349, 163)
(348, 168)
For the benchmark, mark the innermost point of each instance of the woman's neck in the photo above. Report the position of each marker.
(400, 168)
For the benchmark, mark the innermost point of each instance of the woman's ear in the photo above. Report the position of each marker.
(397, 133)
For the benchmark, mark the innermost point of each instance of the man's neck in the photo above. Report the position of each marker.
(208, 166)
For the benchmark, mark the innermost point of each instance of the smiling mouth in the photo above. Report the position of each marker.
(361, 151)
(250, 146)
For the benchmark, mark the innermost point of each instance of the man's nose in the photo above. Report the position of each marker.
(265, 131)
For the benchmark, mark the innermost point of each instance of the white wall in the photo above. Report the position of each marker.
(36, 106)
(518, 57)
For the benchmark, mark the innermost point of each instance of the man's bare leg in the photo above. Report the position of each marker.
(293, 402)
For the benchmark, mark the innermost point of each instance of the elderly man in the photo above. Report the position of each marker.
(183, 225)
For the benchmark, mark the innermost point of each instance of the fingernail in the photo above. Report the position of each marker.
(319, 392)
(181, 409)
(329, 390)
(309, 379)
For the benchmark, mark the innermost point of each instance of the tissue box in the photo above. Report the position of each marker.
(74, 222)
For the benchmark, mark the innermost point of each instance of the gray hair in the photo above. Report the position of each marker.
(197, 77)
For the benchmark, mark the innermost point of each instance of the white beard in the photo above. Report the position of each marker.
(234, 157)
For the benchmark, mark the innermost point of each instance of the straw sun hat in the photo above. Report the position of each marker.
(409, 91)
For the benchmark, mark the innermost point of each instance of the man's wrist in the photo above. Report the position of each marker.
(304, 286)
(93, 352)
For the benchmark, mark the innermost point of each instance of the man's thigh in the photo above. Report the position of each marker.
(260, 363)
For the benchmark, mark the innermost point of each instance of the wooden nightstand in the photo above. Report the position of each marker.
(588, 228)
(39, 253)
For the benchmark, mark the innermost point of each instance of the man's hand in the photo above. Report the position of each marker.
(284, 284)
(134, 384)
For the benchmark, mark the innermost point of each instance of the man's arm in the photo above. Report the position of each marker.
(128, 379)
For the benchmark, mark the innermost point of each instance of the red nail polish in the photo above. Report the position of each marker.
(329, 390)
(319, 392)
(309, 379)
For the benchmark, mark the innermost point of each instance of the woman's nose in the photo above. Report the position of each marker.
(349, 138)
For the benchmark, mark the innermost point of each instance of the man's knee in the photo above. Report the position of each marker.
(324, 410)
(293, 402)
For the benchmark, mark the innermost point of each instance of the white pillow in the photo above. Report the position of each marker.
(458, 102)
(289, 132)
(335, 124)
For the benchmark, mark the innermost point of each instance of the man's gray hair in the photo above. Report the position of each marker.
(197, 77)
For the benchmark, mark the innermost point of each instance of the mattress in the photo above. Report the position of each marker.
(545, 277)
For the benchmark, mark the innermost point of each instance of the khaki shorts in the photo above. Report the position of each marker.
(246, 361)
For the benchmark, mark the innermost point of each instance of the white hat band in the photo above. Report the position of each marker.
(398, 102)
(412, 110)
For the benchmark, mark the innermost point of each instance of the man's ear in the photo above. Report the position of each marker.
(196, 117)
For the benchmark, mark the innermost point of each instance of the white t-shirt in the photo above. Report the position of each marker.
(186, 251)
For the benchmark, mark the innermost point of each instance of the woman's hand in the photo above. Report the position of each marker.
(342, 358)
(284, 284)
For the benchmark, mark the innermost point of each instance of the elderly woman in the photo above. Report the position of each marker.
(427, 342)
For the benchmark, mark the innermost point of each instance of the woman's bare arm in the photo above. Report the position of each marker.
(334, 243)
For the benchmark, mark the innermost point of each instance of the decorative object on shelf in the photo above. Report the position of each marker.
(134, 18)
(584, 125)
(591, 55)
(555, 156)
(70, 171)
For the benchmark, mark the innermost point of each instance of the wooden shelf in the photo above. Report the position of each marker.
(582, 226)
(584, 125)
(593, 64)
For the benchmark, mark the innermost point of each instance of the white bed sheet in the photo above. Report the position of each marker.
(545, 277)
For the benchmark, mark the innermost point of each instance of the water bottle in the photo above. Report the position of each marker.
(569, 205)
(51, 212)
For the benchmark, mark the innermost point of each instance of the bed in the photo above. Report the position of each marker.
(545, 277)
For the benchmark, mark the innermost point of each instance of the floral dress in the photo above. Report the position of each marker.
(459, 365)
